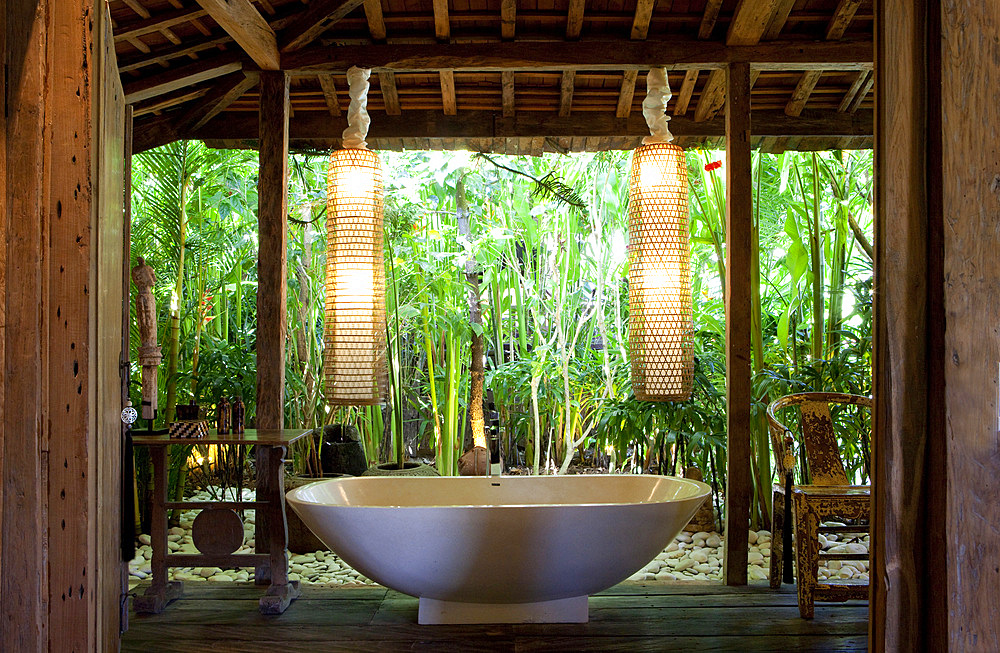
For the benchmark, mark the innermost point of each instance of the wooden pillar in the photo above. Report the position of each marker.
(272, 274)
(739, 214)
(60, 278)
(936, 499)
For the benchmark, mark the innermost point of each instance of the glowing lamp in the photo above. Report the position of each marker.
(660, 322)
(354, 336)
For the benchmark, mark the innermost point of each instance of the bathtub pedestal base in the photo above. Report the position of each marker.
(561, 611)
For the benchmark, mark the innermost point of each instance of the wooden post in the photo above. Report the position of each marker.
(739, 213)
(272, 194)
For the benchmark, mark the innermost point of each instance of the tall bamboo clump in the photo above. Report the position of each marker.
(660, 309)
(354, 362)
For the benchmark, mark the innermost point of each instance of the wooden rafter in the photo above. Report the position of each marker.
(448, 100)
(750, 21)
(574, 19)
(390, 96)
(175, 78)
(168, 101)
(589, 55)
(329, 93)
(224, 92)
(197, 22)
(143, 13)
(164, 55)
(640, 22)
(566, 92)
(687, 88)
(781, 13)
(709, 18)
(442, 24)
(318, 17)
(507, 84)
(316, 125)
(802, 92)
(156, 23)
(852, 92)
(842, 18)
(862, 94)
(626, 94)
(376, 21)
(508, 19)
(244, 23)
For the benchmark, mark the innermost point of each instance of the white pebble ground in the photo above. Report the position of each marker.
(691, 556)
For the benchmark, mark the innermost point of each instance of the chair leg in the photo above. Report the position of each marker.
(777, 524)
(786, 539)
(806, 554)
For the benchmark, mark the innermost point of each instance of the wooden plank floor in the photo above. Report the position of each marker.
(628, 617)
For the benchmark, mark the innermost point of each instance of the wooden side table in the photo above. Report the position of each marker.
(218, 531)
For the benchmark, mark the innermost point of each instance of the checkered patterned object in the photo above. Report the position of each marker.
(183, 428)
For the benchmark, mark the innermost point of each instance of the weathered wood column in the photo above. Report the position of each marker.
(739, 209)
(272, 277)
(272, 274)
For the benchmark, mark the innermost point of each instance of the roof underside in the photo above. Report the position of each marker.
(510, 76)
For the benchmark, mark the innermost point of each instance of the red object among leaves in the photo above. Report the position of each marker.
(714, 165)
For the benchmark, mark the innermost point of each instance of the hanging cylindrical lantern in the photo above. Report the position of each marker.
(354, 337)
(660, 322)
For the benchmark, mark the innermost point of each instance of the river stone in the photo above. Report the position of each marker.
(687, 563)
(713, 540)
(699, 556)
(757, 573)
(320, 555)
(220, 578)
(207, 572)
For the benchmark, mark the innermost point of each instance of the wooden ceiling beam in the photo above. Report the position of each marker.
(168, 101)
(687, 88)
(626, 94)
(862, 94)
(507, 84)
(224, 92)
(709, 18)
(582, 55)
(802, 92)
(750, 20)
(126, 64)
(640, 22)
(853, 91)
(329, 93)
(173, 79)
(842, 18)
(318, 17)
(781, 13)
(390, 96)
(448, 100)
(157, 22)
(376, 21)
(244, 23)
(574, 19)
(316, 125)
(566, 85)
(508, 19)
(442, 24)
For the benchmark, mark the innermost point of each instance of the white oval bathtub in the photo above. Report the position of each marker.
(499, 549)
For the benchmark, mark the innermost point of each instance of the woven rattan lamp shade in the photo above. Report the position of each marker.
(660, 323)
(354, 353)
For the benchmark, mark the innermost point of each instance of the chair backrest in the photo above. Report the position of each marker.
(818, 437)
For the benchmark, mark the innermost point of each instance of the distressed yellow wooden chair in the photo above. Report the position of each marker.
(824, 493)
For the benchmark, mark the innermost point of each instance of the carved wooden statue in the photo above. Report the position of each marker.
(150, 354)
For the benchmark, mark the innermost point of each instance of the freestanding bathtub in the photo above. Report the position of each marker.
(502, 549)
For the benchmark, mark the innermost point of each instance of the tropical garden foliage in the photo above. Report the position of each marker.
(539, 246)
